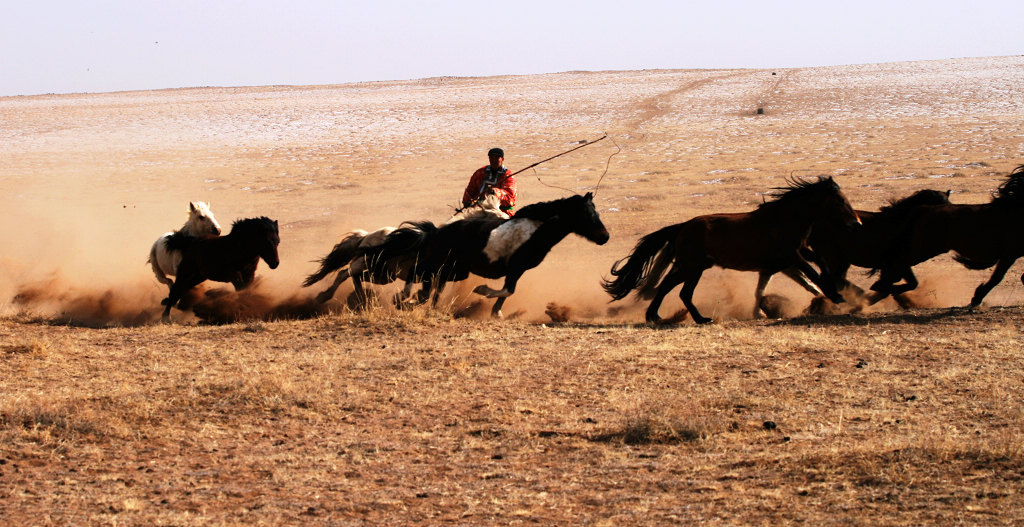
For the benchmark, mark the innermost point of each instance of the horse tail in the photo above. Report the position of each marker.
(643, 268)
(339, 257)
(974, 265)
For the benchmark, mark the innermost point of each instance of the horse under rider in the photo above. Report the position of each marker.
(492, 179)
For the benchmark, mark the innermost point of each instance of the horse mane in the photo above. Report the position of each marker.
(545, 209)
(798, 188)
(1011, 191)
(177, 241)
(247, 225)
(906, 204)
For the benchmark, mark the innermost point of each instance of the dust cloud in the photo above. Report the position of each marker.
(79, 267)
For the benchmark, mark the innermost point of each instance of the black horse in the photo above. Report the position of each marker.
(231, 258)
(488, 247)
(834, 247)
(767, 240)
(981, 236)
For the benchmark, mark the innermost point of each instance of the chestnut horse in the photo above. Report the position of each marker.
(981, 236)
(767, 240)
(834, 247)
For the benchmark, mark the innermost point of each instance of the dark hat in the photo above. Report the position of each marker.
(495, 152)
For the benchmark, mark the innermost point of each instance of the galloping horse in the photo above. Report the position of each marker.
(767, 240)
(490, 247)
(980, 235)
(835, 247)
(231, 258)
(349, 252)
(165, 255)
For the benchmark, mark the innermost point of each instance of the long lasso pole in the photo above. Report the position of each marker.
(573, 149)
(586, 143)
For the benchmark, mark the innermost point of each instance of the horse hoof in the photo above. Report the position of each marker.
(703, 320)
(491, 293)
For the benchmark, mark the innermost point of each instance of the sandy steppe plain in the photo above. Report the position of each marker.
(890, 416)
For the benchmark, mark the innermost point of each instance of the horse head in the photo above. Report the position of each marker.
(832, 203)
(586, 221)
(919, 199)
(201, 221)
(259, 237)
(269, 245)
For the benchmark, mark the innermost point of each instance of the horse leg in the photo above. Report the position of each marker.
(802, 280)
(358, 293)
(328, 293)
(426, 289)
(496, 310)
(886, 281)
(909, 283)
(824, 281)
(762, 282)
(180, 286)
(817, 259)
(438, 287)
(671, 279)
(403, 299)
(1002, 266)
(686, 295)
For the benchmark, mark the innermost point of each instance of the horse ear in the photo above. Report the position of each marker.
(589, 196)
(191, 206)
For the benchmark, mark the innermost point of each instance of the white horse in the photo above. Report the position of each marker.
(165, 255)
(348, 252)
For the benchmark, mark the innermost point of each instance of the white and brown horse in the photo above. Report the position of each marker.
(165, 255)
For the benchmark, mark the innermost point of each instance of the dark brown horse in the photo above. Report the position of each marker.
(981, 236)
(766, 240)
(232, 258)
(835, 247)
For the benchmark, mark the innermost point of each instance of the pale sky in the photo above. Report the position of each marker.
(69, 46)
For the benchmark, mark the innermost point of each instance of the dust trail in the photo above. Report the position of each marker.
(257, 302)
(65, 302)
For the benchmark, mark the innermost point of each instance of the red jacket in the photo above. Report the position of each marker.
(503, 185)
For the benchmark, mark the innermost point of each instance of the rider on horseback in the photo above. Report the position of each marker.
(492, 179)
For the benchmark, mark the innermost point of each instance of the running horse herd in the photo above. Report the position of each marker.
(807, 231)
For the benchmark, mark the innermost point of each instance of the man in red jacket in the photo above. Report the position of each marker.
(492, 179)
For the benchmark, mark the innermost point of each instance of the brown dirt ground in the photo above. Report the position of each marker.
(573, 412)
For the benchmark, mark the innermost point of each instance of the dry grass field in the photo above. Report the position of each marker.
(305, 414)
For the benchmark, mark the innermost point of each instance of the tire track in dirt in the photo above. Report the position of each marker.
(765, 97)
(658, 105)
